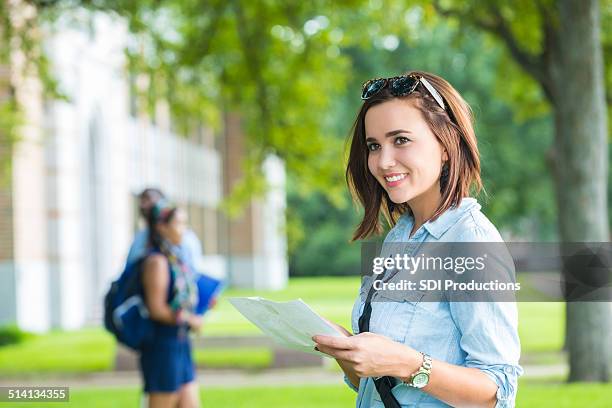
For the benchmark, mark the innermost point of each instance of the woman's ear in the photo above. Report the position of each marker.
(444, 156)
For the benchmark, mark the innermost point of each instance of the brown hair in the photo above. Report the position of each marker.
(454, 130)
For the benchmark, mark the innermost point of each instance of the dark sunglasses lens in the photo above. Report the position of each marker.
(371, 88)
(403, 86)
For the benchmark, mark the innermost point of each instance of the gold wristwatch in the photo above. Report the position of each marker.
(421, 378)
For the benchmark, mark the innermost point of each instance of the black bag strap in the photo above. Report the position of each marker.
(383, 384)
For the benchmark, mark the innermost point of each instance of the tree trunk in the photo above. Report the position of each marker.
(581, 173)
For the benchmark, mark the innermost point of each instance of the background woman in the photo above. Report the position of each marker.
(170, 294)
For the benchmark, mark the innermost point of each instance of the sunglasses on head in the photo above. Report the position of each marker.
(399, 86)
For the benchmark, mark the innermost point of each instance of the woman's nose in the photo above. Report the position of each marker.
(387, 159)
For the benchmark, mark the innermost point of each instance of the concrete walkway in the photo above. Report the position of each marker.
(209, 378)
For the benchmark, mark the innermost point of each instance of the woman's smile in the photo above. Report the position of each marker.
(394, 179)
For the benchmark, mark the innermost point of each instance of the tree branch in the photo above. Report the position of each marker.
(550, 44)
(499, 27)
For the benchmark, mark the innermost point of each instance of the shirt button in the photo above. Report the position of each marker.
(508, 370)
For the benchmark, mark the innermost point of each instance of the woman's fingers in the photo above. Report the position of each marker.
(340, 343)
(337, 347)
(336, 353)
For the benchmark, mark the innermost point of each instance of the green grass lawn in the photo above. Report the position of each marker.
(541, 328)
(530, 395)
(75, 351)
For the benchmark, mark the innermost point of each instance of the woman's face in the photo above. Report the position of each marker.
(404, 155)
(174, 229)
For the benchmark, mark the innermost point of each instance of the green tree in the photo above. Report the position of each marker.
(558, 45)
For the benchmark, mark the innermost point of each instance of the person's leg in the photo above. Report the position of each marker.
(163, 399)
(189, 396)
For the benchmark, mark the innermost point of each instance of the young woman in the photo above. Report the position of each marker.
(170, 294)
(191, 245)
(414, 158)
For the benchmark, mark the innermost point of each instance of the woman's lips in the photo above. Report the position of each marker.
(395, 179)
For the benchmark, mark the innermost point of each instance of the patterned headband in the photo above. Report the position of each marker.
(162, 210)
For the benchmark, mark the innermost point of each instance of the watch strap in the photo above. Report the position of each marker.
(424, 368)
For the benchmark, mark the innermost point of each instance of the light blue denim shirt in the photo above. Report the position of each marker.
(482, 335)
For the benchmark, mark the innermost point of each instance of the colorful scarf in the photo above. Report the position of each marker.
(185, 290)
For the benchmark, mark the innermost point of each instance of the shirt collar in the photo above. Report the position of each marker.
(450, 217)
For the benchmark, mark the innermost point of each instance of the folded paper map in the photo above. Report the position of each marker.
(291, 324)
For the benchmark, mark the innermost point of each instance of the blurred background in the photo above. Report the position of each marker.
(240, 111)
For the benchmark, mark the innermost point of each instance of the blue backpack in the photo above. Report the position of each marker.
(125, 313)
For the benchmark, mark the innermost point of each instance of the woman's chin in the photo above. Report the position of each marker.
(399, 198)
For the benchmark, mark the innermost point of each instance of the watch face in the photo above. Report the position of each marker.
(420, 380)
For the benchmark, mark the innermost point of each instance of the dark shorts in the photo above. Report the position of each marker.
(166, 364)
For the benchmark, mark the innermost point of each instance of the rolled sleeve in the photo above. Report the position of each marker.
(506, 378)
(350, 384)
(489, 337)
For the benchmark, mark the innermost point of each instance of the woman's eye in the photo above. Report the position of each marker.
(401, 140)
(373, 146)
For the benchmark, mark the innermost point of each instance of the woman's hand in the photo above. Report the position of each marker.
(212, 303)
(371, 355)
(195, 322)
